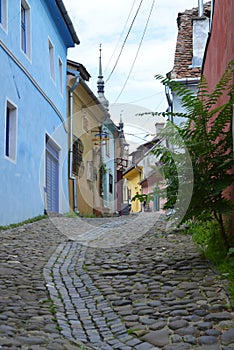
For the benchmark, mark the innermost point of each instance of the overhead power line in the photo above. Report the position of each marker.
(139, 46)
(122, 47)
(120, 37)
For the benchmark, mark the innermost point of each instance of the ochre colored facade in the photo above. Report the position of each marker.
(87, 116)
(134, 175)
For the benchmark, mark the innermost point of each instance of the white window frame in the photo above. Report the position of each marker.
(60, 64)
(25, 44)
(11, 131)
(51, 59)
(3, 14)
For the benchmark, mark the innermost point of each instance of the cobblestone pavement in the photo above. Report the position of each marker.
(114, 283)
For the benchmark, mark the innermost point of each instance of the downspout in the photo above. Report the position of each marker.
(169, 101)
(73, 178)
(140, 172)
(188, 80)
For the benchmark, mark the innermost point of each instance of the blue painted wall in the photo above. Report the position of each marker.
(23, 82)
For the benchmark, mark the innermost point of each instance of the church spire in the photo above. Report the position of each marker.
(100, 82)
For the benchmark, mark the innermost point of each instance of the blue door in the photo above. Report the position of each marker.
(52, 177)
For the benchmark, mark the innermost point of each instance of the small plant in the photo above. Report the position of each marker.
(71, 214)
(87, 216)
(230, 252)
(209, 239)
(84, 267)
(133, 330)
(28, 221)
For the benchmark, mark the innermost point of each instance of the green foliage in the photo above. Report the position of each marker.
(206, 135)
(71, 214)
(28, 221)
(208, 237)
(91, 216)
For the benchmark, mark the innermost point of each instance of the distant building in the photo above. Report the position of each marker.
(34, 37)
(193, 29)
(109, 133)
(144, 176)
(121, 161)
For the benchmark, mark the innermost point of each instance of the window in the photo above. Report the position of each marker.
(51, 57)
(60, 76)
(3, 13)
(11, 131)
(78, 149)
(107, 147)
(110, 183)
(25, 28)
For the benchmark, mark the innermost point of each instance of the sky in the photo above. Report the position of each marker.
(107, 22)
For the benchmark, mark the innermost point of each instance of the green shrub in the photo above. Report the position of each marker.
(207, 236)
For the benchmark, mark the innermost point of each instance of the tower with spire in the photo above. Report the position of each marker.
(101, 83)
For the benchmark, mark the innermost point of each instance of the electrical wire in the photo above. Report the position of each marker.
(139, 46)
(122, 47)
(120, 37)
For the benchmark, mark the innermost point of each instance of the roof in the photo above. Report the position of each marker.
(150, 178)
(80, 68)
(132, 170)
(184, 46)
(68, 21)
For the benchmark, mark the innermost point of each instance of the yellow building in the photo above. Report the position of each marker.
(134, 175)
(85, 116)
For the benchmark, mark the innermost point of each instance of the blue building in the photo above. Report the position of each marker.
(34, 37)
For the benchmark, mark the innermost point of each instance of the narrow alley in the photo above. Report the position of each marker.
(111, 283)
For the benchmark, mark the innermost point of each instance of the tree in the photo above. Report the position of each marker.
(206, 136)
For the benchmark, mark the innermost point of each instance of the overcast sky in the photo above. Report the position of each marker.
(105, 22)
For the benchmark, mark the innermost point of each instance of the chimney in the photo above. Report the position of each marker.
(200, 8)
(200, 32)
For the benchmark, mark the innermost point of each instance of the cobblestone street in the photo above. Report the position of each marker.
(113, 283)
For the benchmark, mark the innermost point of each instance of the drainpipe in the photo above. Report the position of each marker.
(188, 80)
(73, 178)
(169, 101)
(140, 172)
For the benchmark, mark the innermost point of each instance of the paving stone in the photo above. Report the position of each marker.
(228, 337)
(219, 316)
(178, 346)
(187, 331)
(212, 332)
(210, 347)
(190, 339)
(157, 325)
(178, 324)
(157, 338)
(176, 338)
(207, 340)
(144, 346)
(203, 326)
(144, 284)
